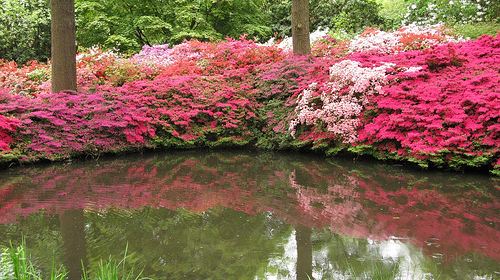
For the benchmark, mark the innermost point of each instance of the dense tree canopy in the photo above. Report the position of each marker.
(127, 25)
(24, 30)
(130, 24)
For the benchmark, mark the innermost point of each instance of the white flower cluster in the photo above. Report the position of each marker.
(97, 54)
(287, 43)
(343, 100)
(159, 55)
(380, 41)
(390, 42)
(462, 11)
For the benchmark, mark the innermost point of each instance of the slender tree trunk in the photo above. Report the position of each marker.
(300, 27)
(63, 38)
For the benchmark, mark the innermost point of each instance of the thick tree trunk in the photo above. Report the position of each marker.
(300, 27)
(63, 33)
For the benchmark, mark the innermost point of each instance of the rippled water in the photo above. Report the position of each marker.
(235, 215)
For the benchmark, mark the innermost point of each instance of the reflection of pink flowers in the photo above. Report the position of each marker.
(338, 206)
(354, 203)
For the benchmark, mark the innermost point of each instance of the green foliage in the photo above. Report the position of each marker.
(393, 12)
(24, 30)
(347, 15)
(452, 12)
(342, 15)
(474, 30)
(127, 25)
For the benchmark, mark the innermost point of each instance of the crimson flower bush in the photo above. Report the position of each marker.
(416, 95)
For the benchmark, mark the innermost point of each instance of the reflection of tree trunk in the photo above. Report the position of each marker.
(304, 253)
(72, 230)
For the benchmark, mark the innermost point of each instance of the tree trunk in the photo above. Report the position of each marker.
(300, 27)
(63, 32)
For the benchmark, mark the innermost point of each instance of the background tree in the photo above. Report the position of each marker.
(129, 24)
(24, 30)
(300, 27)
(63, 45)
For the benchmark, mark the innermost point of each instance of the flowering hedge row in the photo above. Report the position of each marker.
(416, 94)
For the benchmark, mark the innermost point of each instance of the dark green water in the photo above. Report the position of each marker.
(234, 215)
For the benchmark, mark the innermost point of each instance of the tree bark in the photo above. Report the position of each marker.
(63, 38)
(300, 27)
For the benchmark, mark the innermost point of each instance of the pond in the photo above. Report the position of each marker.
(251, 215)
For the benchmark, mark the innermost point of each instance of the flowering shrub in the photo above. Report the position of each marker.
(449, 106)
(26, 80)
(435, 107)
(94, 67)
(7, 126)
(410, 37)
(421, 96)
(154, 55)
(66, 123)
(341, 100)
(286, 43)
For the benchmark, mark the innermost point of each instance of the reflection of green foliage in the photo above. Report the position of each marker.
(113, 270)
(353, 258)
(183, 245)
(220, 244)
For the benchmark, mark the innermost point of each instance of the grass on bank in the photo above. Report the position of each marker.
(16, 264)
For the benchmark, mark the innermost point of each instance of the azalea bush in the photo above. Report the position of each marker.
(416, 94)
(437, 107)
(406, 38)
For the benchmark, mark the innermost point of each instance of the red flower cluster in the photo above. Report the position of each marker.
(7, 126)
(435, 106)
(450, 106)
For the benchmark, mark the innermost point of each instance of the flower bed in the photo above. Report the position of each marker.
(434, 104)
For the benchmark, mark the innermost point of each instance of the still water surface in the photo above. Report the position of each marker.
(238, 215)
